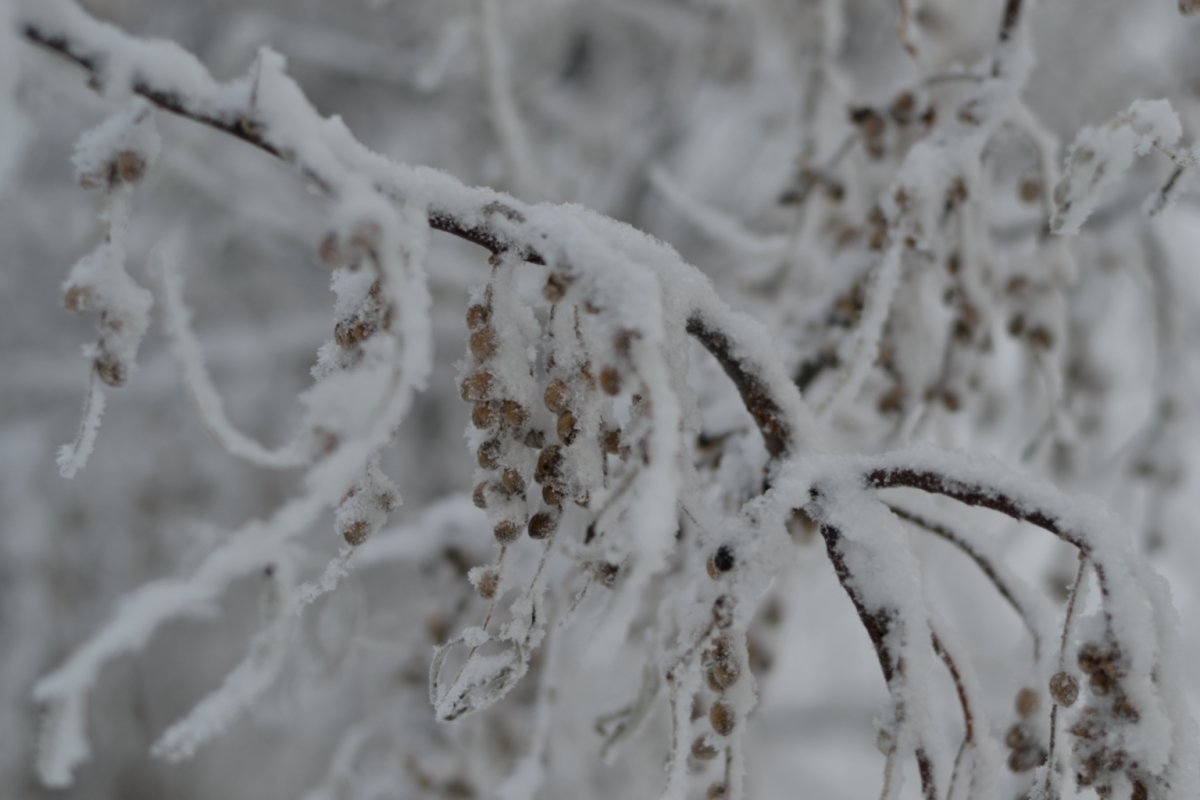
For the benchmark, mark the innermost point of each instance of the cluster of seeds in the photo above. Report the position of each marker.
(1026, 750)
(1099, 727)
(363, 313)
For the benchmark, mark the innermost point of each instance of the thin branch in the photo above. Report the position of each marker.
(985, 565)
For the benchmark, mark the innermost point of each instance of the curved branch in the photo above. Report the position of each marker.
(327, 155)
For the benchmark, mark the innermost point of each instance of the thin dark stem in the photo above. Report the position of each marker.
(983, 562)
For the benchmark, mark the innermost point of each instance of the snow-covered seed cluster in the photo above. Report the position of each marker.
(1103, 725)
(1026, 750)
(114, 157)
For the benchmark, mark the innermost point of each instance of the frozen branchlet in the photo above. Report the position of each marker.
(113, 157)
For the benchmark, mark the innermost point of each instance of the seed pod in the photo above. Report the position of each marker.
(722, 611)
(356, 532)
(110, 370)
(722, 674)
(511, 482)
(1101, 683)
(77, 298)
(722, 718)
(1026, 758)
(611, 442)
(606, 573)
(555, 396)
(542, 525)
(130, 166)
(716, 791)
(555, 288)
(477, 386)
(483, 415)
(487, 582)
(610, 380)
(482, 343)
(1029, 190)
(703, 749)
(1019, 736)
(1064, 688)
(478, 315)
(507, 531)
(535, 439)
(720, 562)
(567, 428)
(479, 496)
(1026, 702)
(513, 413)
(549, 464)
(488, 454)
(352, 330)
(553, 493)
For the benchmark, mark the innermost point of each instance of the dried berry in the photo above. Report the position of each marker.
(482, 343)
(513, 413)
(507, 531)
(703, 749)
(722, 718)
(511, 482)
(542, 525)
(479, 496)
(478, 315)
(488, 454)
(549, 464)
(483, 415)
(77, 298)
(487, 582)
(556, 395)
(716, 791)
(477, 386)
(610, 380)
(1064, 688)
(130, 166)
(567, 427)
(553, 493)
(1027, 702)
(721, 561)
(555, 288)
(356, 532)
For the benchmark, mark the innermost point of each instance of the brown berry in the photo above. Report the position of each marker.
(722, 674)
(483, 415)
(110, 370)
(1029, 190)
(478, 315)
(1027, 702)
(722, 718)
(549, 464)
(477, 386)
(703, 749)
(77, 298)
(553, 493)
(1064, 688)
(556, 395)
(513, 413)
(130, 166)
(482, 342)
(507, 531)
(720, 562)
(555, 288)
(610, 380)
(542, 525)
(488, 454)
(487, 583)
(356, 532)
(511, 482)
(479, 496)
(567, 427)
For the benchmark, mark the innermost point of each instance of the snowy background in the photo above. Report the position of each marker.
(687, 119)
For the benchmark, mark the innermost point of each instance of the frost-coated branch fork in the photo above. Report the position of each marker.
(1132, 732)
